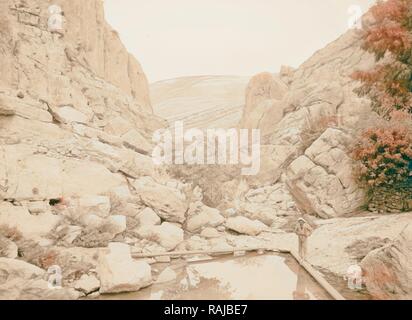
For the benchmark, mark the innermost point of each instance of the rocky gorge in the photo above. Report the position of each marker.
(80, 195)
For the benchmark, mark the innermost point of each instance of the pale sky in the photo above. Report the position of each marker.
(175, 38)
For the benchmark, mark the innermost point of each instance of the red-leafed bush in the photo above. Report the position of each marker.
(389, 38)
(385, 154)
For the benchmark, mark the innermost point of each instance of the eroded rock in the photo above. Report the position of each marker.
(118, 272)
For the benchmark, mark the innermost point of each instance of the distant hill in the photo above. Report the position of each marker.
(201, 101)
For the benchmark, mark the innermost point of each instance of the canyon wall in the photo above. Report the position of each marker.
(307, 117)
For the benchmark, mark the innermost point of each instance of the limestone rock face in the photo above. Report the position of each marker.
(118, 272)
(86, 38)
(65, 98)
(388, 270)
(263, 93)
(322, 180)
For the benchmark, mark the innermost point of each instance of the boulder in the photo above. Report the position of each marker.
(210, 233)
(97, 205)
(118, 272)
(20, 280)
(30, 226)
(262, 93)
(113, 224)
(167, 275)
(167, 235)
(246, 226)
(388, 270)
(87, 284)
(334, 245)
(208, 217)
(148, 217)
(12, 268)
(267, 204)
(165, 201)
(321, 181)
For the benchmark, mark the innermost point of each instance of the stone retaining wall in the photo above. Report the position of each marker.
(392, 199)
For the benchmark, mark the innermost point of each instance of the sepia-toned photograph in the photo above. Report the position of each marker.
(205, 150)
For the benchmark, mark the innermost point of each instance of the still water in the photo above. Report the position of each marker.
(251, 277)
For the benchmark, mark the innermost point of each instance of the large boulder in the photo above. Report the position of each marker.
(147, 217)
(388, 270)
(118, 272)
(20, 280)
(336, 244)
(87, 284)
(246, 226)
(97, 205)
(321, 181)
(267, 204)
(263, 93)
(167, 235)
(207, 217)
(167, 202)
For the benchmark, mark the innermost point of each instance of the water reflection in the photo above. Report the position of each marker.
(265, 277)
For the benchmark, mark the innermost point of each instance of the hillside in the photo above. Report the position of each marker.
(201, 102)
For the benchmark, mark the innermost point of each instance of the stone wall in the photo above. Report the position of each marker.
(393, 199)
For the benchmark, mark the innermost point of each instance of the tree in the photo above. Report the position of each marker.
(384, 150)
(389, 38)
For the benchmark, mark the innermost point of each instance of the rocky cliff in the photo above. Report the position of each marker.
(75, 108)
(306, 117)
(76, 125)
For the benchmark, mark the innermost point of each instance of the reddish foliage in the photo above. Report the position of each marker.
(385, 155)
(389, 84)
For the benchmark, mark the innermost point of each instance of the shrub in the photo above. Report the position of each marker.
(385, 155)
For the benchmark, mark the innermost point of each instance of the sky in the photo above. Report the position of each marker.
(176, 38)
